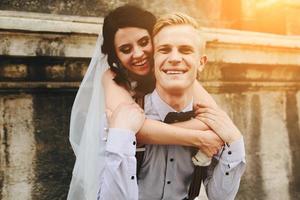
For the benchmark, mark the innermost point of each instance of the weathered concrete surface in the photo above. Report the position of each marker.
(18, 148)
(12, 20)
(39, 69)
(275, 16)
(269, 121)
(270, 124)
(69, 7)
(293, 23)
(261, 57)
(253, 76)
(99, 7)
(35, 157)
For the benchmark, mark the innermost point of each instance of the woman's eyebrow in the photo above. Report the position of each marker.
(144, 37)
(124, 46)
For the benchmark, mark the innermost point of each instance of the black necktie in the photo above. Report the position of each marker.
(173, 117)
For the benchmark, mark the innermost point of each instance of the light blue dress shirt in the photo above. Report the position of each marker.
(167, 170)
(118, 180)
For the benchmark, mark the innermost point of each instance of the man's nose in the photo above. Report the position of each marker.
(175, 57)
(137, 52)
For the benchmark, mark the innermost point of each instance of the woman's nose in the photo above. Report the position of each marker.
(138, 52)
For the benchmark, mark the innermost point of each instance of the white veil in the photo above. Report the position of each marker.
(87, 130)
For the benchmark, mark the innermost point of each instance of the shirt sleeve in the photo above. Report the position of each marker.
(225, 172)
(119, 175)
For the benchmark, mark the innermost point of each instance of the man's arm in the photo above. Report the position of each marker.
(224, 174)
(224, 178)
(118, 180)
(202, 96)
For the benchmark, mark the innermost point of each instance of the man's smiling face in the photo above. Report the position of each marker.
(176, 57)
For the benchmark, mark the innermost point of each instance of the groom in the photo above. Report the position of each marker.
(167, 170)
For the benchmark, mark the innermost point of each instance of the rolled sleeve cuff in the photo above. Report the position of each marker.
(121, 141)
(235, 153)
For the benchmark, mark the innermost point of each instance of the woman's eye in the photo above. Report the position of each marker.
(125, 50)
(144, 42)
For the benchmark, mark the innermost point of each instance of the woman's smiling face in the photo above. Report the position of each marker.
(133, 47)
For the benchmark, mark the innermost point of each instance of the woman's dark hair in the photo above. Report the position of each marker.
(121, 17)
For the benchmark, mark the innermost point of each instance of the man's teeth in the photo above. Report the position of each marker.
(174, 72)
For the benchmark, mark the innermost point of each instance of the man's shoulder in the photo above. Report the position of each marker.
(148, 102)
(149, 108)
(147, 97)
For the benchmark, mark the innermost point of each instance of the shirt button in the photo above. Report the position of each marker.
(171, 159)
(134, 143)
(169, 182)
(132, 177)
(227, 173)
(229, 152)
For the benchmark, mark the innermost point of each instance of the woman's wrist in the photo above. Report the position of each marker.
(193, 138)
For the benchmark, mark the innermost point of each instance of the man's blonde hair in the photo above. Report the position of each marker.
(177, 18)
(174, 19)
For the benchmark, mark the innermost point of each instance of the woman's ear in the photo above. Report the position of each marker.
(203, 61)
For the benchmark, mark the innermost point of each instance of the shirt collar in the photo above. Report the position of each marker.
(163, 108)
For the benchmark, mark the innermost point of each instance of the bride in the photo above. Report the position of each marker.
(119, 72)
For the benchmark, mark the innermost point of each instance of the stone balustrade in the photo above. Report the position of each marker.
(42, 50)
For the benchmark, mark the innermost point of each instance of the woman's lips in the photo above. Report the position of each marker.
(140, 63)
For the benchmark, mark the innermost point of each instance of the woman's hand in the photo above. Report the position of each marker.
(209, 142)
(126, 116)
(218, 121)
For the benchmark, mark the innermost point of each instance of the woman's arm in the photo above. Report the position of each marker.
(154, 132)
(114, 94)
(202, 96)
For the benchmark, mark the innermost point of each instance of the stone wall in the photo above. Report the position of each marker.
(276, 16)
(253, 76)
(68, 7)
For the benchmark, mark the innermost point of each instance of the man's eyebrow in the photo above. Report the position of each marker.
(187, 46)
(162, 45)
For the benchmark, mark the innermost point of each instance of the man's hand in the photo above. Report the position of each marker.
(209, 143)
(219, 122)
(126, 116)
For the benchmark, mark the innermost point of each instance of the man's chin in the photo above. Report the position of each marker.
(176, 88)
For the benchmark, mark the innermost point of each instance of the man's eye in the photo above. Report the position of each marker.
(186, 50)
(164, 50)
(125, 50)
(144, 42)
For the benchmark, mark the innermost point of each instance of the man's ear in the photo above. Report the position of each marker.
(203, 61)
